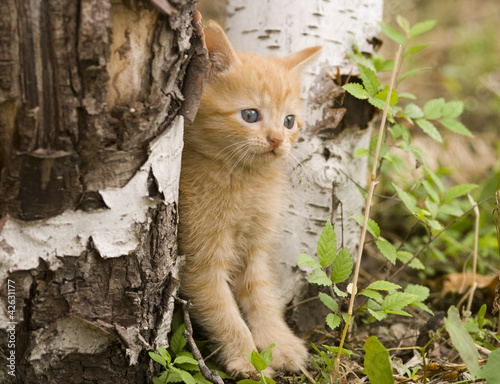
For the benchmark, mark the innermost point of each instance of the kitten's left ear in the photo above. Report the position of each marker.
(298, 60)
(220, 51)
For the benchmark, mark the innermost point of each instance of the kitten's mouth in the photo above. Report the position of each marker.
(270, 153)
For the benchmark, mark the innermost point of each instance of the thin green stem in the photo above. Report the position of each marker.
(373, 184)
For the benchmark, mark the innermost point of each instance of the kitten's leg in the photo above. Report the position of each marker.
(258, 300)
(216, 310)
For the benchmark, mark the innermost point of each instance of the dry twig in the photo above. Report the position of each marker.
(212, 376)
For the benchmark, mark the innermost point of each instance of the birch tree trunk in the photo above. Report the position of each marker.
(91, 95)
(337, 124)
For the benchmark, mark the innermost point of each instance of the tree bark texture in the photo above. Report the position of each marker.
(92, 94)
(336, 123)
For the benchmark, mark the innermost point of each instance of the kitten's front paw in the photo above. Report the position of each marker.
(289, 353)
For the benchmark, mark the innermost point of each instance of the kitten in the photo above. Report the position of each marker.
(231, 185)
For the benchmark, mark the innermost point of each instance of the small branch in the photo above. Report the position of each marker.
(212, 376)
(496, 302)
(474, 259)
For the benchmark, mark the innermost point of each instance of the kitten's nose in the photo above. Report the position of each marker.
(275, 142)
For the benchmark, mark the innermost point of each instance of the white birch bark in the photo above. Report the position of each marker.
(280, 27)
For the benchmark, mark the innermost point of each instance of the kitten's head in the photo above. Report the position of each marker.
(250, 111)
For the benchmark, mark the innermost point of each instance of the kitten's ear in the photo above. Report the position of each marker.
(298, 60)
(220, 51)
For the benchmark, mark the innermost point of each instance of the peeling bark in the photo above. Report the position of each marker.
(91, 95)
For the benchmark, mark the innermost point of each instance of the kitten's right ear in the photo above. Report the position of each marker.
(220, 51)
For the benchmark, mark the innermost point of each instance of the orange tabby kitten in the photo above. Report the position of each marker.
(231, 184)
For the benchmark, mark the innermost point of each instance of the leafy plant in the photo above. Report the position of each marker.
(260, 361)
(324, 361)
(432, 205)
(179, 364)
(464, 344)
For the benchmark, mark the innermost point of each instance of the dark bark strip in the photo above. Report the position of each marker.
(62, 139)
(112, 307)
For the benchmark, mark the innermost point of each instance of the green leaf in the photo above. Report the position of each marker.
(386, 66)
(432, 207)
(356, 90)
(392, 33)
(423, 307)
(480, 315)
(370, 79)
(379, 315)
(338, 292)
(490, 369)
(421, 27)
(342, 266)
(164, 353)
(307, 261)
(456, 126)
(361, 152)
(430, 129)
(399, 312)
(450, 209)
(457, 191)
(200, 379)
(267, 354)
(381, 285)
(413, 111)
(178, 341)
(408, 200)
(420, 291)
(186, 377)
(258, 361)
(435, 225)
(158, 359)
(329, 302)
(407, 95)
(432, 109)
(184, 360)
(453, 109)
(327, 246)
(415, 49)
(378, 365)
(431, 191)
(188, 367)
(412, 73)
(397, 301)
(318, 276)
(435, 179)
(403, 23)
(371, 227)
(173, 377)
(373, 295)
(404, 256)
(332, 320)
(399, 130)
(160, 379)
(247, 381)
(382, 95)
(462, 341)
(335, 350)
(387, 250)
(379, 104)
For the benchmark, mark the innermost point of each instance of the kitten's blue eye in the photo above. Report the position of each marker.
(289, 122)
(250, 115)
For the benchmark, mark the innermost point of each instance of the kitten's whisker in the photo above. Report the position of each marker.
(225, 149)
